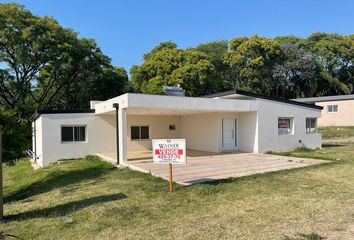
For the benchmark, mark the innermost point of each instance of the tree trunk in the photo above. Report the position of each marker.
(1, 187)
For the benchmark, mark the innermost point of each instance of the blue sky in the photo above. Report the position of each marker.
(126, 29)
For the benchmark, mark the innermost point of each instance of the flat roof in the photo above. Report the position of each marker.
(262, 96)
(38, 113)
(326, 98)
(176, 103)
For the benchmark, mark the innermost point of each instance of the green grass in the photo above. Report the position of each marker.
(103, 202)
(336, 132)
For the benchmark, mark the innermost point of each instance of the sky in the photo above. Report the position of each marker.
(126, 29)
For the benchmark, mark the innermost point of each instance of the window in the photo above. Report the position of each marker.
(332, 108)
(73, 133)
(139, 132)
(285, 126)
(172, 127)
(311, 125)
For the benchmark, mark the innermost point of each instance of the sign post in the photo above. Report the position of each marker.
(169, 151)
(170, 176)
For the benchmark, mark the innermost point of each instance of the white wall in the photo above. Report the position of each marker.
(158, 128)
(100, 136)
(202, 132)
(268, 115)
(248, 132)
(37, 136)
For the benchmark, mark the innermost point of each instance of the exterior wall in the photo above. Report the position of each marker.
(100, 136)
(158, 128)
(202, 132)
(344, 116)
(268, 115)
(248, 132)
(37, 135)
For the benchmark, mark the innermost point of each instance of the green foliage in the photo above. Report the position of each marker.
(170, 66)
(16, 135)
(286, 66)
(42, 66)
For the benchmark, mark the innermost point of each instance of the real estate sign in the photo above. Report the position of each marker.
(169, 151)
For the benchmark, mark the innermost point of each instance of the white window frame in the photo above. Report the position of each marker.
(334, 108)
(288, 131)
(308, 128)
(73, 127)
(139, 126)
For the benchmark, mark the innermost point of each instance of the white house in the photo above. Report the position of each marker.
(224, 122)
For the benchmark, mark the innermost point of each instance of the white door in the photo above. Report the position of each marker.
(229, 134)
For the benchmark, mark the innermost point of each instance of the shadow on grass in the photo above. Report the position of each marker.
(301, 236)
(65, 208)
(332, 145)
(57, 179)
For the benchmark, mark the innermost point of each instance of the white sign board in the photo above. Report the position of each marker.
(169, 151)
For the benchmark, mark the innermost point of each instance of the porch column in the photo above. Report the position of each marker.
(122, 135)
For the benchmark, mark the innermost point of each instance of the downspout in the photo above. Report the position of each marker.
(116, 106)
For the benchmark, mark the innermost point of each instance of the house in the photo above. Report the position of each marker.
(223, 122)
(337, 110)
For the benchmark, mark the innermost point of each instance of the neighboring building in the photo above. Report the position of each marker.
(337, 110)
(224, 122)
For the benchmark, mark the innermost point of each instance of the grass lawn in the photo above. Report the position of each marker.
(336, 132)
(101, 202)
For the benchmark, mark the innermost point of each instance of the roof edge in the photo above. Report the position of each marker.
(40, 112)
(263, 96)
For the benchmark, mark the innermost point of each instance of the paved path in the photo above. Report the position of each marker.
(209, 168)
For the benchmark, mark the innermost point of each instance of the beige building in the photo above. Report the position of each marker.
(337, 110)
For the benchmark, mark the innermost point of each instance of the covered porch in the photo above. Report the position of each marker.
(210, 126)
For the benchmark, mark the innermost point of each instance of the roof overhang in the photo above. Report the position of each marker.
(241, 94)
(160, 104)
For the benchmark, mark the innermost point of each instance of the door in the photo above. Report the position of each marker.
(229, 134)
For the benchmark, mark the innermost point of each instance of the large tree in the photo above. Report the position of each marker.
(166, 65)
(335, 55)
(43, 65)
(296, 74)
(41, 60)
(255, 58)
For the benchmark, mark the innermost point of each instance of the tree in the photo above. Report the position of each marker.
(155, 72)
(296, 73)
(166, 65)
(335, 56)
(254, 59)
(216, 52)
(43, 65)
(197, 75)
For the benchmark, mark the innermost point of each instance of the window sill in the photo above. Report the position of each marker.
(139, 140)
(74, 142)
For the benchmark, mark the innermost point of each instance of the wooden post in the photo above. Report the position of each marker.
(170, 175)
(1, 187)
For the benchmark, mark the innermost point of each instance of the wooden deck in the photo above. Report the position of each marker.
(146, 155)
(213, 167)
